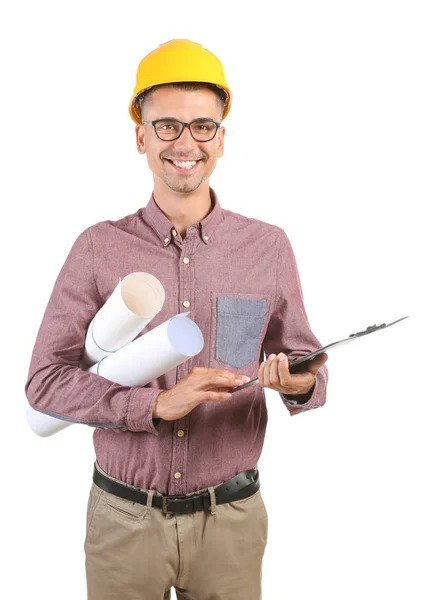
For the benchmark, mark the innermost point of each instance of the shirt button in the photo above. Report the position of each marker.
(205, 237)
(177, 475)
(186, 303)
(180, 433)
(185, 260)
(166, 240)
(174, 232)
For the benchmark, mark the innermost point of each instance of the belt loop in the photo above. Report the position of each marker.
(149, 504)
(213, 504)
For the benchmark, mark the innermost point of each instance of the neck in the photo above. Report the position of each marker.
(183, 209)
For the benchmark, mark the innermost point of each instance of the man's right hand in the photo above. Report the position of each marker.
(197, 386)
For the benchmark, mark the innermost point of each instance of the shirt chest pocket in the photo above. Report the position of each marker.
(240, 322)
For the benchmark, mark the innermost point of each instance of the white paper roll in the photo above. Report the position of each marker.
(136, 300)
(153, 354)
(44, 425)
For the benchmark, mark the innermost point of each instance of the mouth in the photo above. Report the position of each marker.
(184, 166)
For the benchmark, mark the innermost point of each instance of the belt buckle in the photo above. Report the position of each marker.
(167, 503)
(166, 507)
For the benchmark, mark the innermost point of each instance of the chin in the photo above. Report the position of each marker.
(186, 188)
(183, 186)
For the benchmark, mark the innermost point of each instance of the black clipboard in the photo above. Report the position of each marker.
(294, 365)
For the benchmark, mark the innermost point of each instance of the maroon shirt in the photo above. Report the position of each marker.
(239, 279)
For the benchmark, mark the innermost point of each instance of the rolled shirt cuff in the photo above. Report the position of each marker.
(140, 408)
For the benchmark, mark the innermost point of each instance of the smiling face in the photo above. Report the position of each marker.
(168, 102)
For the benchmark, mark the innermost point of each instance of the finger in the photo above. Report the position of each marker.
(283, 368)
(324, 357)
(226, 379)
(318, 361)
(215, 396)
(267, 370)
(293, 381)
(274, 372)
(232, 377)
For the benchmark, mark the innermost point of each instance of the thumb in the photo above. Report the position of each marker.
(317, 362)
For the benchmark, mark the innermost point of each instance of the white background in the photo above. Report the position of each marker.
(325, 138)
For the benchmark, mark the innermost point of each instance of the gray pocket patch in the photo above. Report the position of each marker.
(239, 325)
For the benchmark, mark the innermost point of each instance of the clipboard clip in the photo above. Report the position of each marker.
(375, 328)
(368, 330)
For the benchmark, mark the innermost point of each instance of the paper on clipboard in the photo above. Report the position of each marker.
(294, 364)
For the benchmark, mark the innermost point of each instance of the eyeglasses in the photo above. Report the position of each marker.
(202, 130)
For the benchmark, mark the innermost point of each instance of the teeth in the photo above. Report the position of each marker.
(187, 164)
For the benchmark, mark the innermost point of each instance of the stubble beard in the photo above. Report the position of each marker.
(183, 185)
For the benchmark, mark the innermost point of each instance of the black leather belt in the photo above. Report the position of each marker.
(240, 486)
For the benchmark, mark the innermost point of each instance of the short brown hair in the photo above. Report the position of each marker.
(190, 86)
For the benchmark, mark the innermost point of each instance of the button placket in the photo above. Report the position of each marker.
(185, 270)
(178, 482)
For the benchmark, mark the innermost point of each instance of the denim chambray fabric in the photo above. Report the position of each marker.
(240, 278)
(239, 324)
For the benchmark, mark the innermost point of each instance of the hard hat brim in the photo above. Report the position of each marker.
(134, 109)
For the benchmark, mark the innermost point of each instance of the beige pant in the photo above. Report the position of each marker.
(138, 553)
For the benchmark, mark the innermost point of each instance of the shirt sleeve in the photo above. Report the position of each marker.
(56, 384)
(289, 330)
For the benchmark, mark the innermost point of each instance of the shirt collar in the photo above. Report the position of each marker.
(164, 228)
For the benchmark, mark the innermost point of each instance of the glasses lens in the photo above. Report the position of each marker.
(203, 130)
(167, 129)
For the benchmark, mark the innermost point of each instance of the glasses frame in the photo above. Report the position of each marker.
(202, 120)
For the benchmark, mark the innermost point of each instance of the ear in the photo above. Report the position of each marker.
(220, 146)
(140, 139)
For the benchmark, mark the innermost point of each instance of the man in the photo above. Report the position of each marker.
(175, 498)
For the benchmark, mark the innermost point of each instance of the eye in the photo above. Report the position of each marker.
(204, 126)
(167, 127)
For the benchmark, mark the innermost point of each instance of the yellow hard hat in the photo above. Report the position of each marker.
(177, 61)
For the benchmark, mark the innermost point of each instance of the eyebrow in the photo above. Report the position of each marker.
(175, 119)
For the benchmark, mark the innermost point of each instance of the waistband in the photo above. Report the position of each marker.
(240, 486)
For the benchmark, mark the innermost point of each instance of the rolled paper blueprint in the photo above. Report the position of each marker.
(44, 425)
(153, 354)
(168, 346)
(136, 300)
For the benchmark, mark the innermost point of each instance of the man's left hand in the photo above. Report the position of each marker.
(274, 374)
